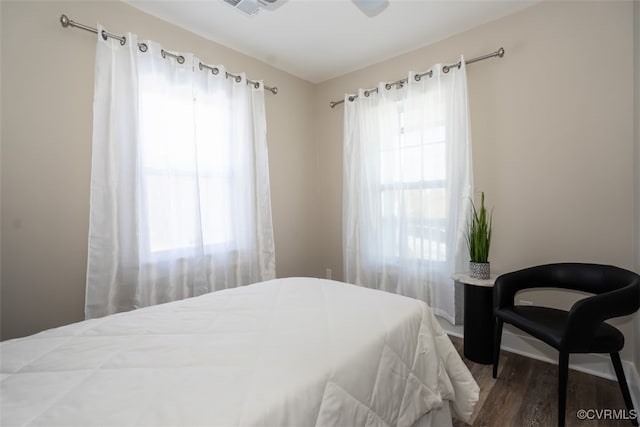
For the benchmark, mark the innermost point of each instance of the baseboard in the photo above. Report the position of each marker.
(594, 364)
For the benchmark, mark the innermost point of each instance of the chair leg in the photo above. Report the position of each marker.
(622, 381)
(497, 338)
(563, 374)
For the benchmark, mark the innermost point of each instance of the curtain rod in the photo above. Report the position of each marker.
(499, 53)
(66, 22)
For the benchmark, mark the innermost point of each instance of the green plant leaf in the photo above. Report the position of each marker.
(478, 233)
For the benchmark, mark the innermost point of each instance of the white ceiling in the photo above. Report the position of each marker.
(317, 40)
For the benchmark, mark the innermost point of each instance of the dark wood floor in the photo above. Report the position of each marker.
(525, 394)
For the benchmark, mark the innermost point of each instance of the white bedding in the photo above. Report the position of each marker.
(287, 352)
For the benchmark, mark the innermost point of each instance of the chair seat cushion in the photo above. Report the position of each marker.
(549, 324)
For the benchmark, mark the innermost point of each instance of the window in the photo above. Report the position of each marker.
(187, 186)
(180, 200)
(413, 185)
(407, 181)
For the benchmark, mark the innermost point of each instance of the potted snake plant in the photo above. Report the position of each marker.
(478, 235)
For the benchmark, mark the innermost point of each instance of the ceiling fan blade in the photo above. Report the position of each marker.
(371, 7)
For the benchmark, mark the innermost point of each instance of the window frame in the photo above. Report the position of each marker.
(422, 185)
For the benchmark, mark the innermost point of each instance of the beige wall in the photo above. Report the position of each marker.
(552, 129)
(47, 95)
(636, 114)
(552, 136)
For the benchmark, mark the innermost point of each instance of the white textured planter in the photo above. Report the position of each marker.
(479, 270)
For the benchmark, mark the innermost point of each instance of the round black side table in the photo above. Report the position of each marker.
(478, 317)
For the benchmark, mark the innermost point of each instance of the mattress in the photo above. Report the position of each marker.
(286, 352)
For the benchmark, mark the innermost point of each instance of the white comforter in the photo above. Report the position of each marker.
(287, 352)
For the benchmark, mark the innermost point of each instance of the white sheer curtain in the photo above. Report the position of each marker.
(407, 187)
(180, 201)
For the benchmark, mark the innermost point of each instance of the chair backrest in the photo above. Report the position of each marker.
(616, 293)
(592, 278)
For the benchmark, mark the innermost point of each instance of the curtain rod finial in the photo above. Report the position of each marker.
(64, 20)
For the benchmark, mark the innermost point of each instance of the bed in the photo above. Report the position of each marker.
(285, 352)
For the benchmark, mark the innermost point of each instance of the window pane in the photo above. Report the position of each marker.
(411, 164)
(413, 182)
(423, 211)
(171, 214)
(434, 162)
(425, 231)
(216, 210)
(166, 131)
(186, 164)
(425, 204)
